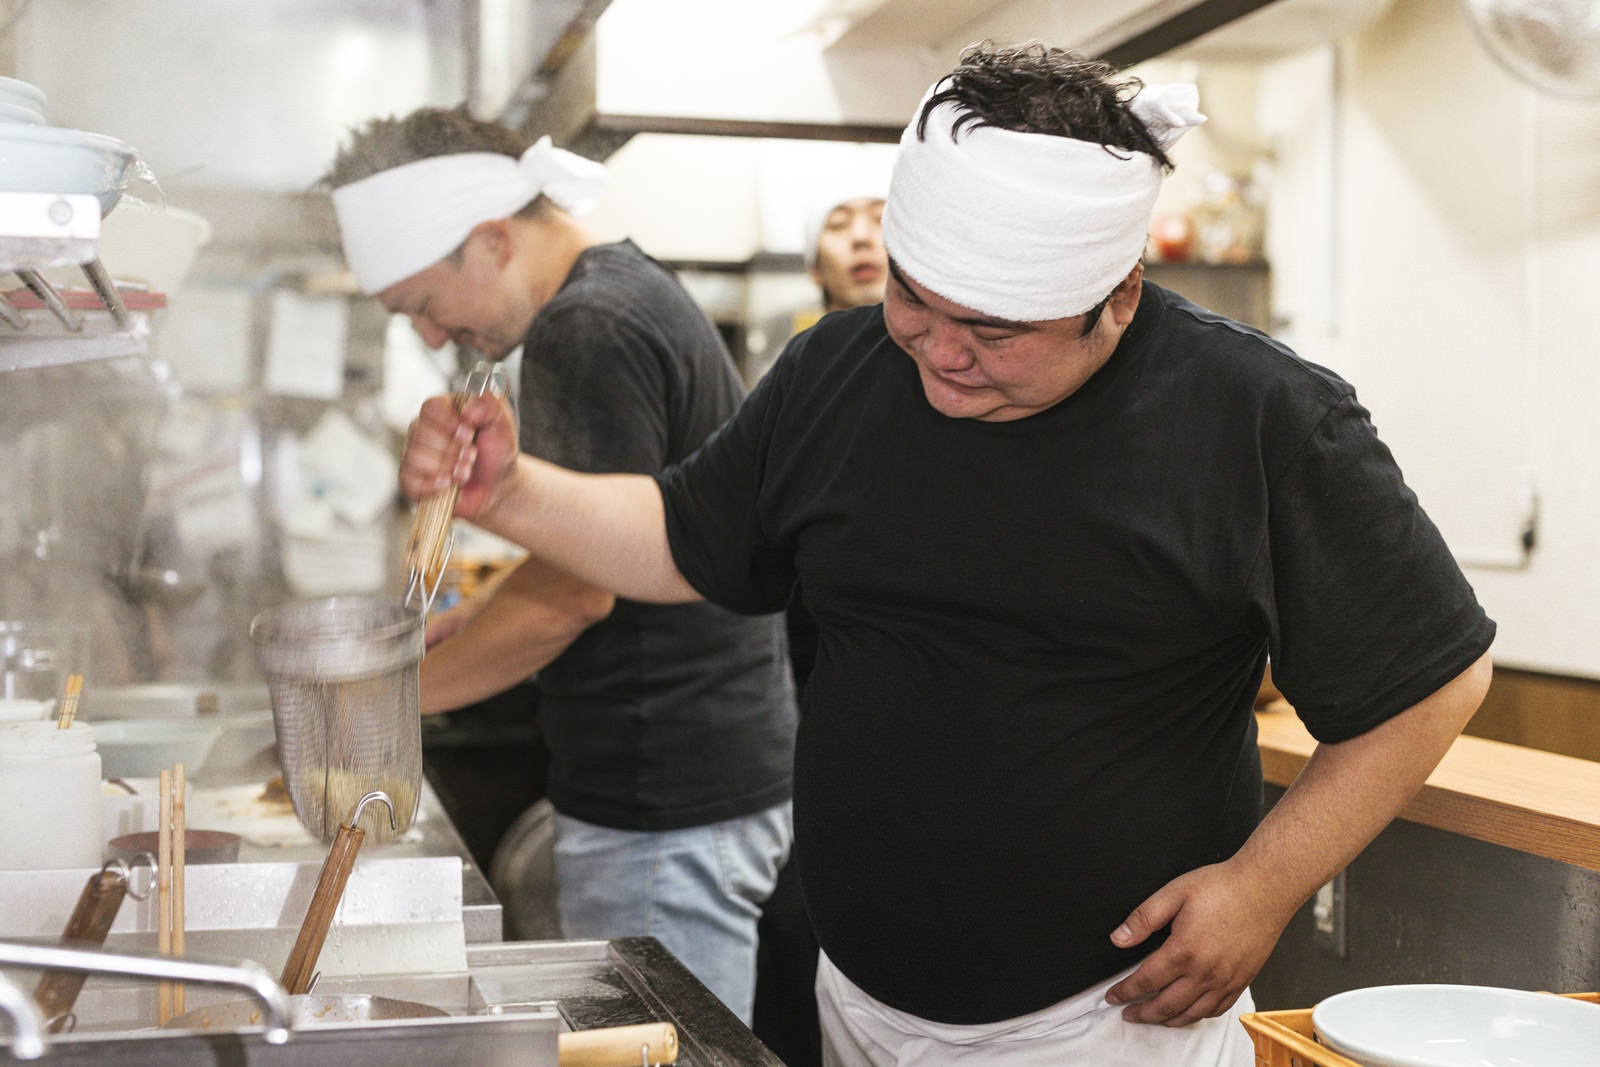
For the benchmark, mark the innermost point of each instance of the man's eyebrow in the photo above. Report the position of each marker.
(981, 321)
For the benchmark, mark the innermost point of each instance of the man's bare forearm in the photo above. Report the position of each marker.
(1349, 791)
(608, 529)
(533, 615)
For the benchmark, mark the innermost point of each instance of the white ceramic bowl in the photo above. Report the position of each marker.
(13, 91)
(143, 748)
(53, 159)
(156, 247)
(1459, 1026)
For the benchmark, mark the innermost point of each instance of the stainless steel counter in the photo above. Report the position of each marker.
(504, 1006)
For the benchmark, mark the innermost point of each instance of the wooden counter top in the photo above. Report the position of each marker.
(1522, 798)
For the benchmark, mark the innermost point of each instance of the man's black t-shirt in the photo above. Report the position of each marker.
(658, 717)
(1040, 640)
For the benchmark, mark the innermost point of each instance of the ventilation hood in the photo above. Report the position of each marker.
(852, 70)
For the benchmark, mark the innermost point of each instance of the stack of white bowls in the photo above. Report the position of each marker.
(39, 158)
(21, 102)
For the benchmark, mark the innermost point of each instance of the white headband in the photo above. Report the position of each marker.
(1026, 226)
(407, 218)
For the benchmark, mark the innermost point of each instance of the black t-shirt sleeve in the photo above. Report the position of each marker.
(713, 501)
(593, 394)
(1372, 613)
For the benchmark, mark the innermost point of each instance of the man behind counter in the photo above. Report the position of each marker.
(846, 261)
(670, 728)
(1051, 521)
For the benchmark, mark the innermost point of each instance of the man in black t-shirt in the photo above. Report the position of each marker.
(846, 260)
(1051, 521)
(670, 726)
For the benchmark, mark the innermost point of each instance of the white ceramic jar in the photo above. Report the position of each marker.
(49, 797)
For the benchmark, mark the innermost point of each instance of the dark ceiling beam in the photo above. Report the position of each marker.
(796, 131)
(1168, 26)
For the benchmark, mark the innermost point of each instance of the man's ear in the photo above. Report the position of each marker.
(494, 238)
(1125, 297)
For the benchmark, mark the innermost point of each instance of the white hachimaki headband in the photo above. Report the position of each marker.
(402, 220)
(1026, 226)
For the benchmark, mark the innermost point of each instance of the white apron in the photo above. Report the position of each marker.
(858, 1031)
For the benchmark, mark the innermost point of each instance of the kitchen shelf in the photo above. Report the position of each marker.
(41, 325)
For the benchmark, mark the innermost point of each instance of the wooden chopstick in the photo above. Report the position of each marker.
(164, 893)
(179, 833)
(69, 705)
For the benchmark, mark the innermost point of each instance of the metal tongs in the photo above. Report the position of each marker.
(432, 536)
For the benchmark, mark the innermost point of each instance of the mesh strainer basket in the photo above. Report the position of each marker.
(342, 674)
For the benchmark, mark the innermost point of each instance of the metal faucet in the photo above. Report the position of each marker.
(27, 1029)
(240, 974)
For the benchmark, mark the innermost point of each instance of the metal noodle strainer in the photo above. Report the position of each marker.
(343, 678)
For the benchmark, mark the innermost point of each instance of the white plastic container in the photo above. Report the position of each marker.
(49, 797)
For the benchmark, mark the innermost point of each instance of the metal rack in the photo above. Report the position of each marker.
(45, 326)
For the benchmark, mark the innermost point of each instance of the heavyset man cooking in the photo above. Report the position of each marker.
(1051, 520)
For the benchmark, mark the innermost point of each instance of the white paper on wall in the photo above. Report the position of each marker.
(305, 346)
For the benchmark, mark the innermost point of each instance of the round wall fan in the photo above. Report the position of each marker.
(1550, 44)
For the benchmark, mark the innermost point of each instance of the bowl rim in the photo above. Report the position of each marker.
(65, 135)
(27, 116)
(212, 837)
(22, 88)
(138, 730)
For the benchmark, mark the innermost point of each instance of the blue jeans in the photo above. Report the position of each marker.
(699, 891)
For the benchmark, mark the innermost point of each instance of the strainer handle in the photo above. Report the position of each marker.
(428, 546)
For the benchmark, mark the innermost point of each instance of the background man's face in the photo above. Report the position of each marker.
(851, 265)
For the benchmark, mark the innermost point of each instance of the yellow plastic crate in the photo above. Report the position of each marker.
(1287, 1039)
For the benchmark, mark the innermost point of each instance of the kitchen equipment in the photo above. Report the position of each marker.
(428, 546)
(141, 748)
(613, 1046)
(1553, 45)
(34, 658)
(199, 846)
(54, 159)
(342, 674)
(1458, 1026)
(300, 969)
(619, 1046)
(239, 974)
(97, 907)
(50, 794)
(306, 1010)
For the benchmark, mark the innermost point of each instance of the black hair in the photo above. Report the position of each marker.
(1033, 88)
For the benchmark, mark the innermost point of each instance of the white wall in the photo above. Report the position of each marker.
(1469, 232)
(248, 94)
